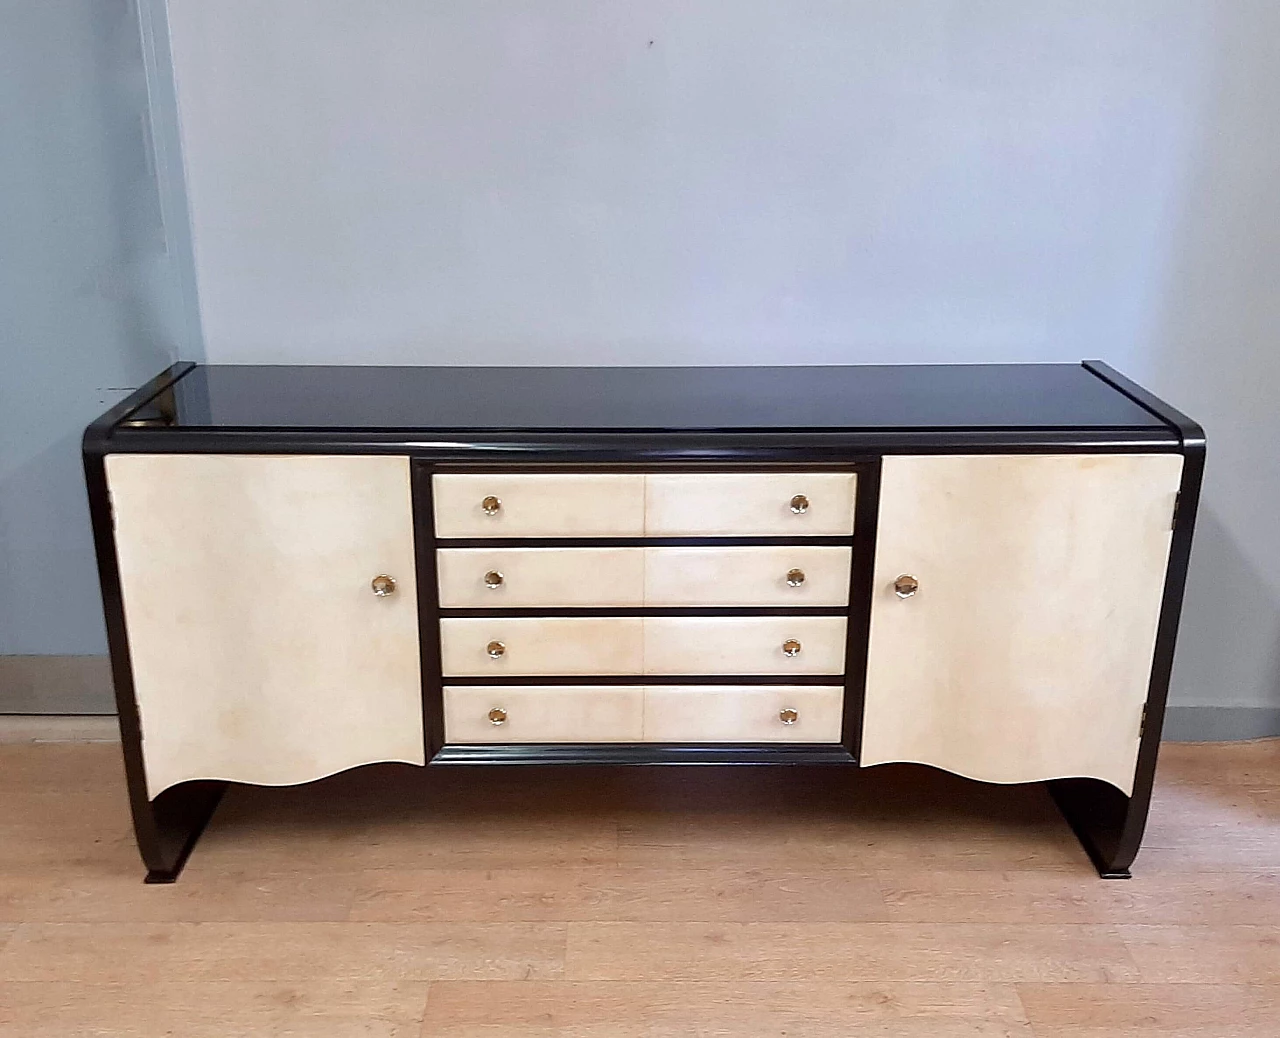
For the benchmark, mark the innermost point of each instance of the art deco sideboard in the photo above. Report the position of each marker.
(308, 569)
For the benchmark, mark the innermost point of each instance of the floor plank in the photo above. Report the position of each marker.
(1205, 954)
(317, 1008)
(204, 896)
(622, 894)
(655, 1010)
(848, 952)
(970, 896)
(1163, 1010)
(139, 953)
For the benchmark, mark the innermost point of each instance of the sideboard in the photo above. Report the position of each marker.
(974, 567)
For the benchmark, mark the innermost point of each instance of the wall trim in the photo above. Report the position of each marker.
(165, 140)
(56, 685)
(1220, 723)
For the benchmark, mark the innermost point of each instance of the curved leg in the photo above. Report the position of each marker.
(1108, 824)
(169, 826)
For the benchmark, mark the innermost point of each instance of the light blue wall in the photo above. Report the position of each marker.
(687, 180)
(88, 296)
(753, 181)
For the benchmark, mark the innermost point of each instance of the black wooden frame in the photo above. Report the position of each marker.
(1109, 824)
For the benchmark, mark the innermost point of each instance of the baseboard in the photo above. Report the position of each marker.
(56, 685)
(1220, 723)
(18, 728)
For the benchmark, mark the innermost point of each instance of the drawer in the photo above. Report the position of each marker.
(676, 504)
(543, 713)
(574, 646)
(749, 504)
(541, 645)
(788, 576)
(538, 504)
(744, 644)
(508, 578)
(743, 713)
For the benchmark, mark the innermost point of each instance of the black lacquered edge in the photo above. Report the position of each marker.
(858, 629)
(1109, 824)
(640, 448)
(428, 608)
(644, 753)
(167, 827)
(101, 428)
(1188, 429)
(500, 543)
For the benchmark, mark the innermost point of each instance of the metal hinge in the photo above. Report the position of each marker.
(1177, 503)
(1142, 725)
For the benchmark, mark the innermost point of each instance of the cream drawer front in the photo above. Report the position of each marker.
(819, 576)
(574, 646)
(538, 504)
(744, 644)
(547, 713)
(537, 645)
(743, 713)
(505, 578)
(749, 504)
(508, 578)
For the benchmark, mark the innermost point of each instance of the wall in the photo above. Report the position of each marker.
(88, 307)
(678, 181)
(742, 181)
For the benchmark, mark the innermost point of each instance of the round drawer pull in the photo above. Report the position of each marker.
(788, 715)
(795, 577)
(799, 504)
(496, 650)
(906, 586)
(791, 647)
(491, 505)
(497, 716)
(383, 585)
(493, 579)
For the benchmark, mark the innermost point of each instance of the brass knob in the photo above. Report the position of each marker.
(791, 647)
(799, 504)
(491, 505)
(788, 715)
(493, 579)
(496, 650)
(497, 716)
(383, 585)
(906, 586)
(795, 577)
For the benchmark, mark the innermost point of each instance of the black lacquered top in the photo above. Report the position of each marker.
(440, 399)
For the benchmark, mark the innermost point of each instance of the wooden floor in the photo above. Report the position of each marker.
(527, 903)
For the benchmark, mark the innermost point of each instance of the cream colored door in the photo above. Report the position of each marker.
(260, 652)
(1026, 651)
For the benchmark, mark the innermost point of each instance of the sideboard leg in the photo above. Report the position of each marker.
(1108, 824)
(169, 826)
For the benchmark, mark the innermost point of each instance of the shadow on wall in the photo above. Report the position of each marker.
(1216, 355)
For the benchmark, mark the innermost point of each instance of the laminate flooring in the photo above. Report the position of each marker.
(532, 902)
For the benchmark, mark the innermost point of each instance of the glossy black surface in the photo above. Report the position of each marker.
(872, 397)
